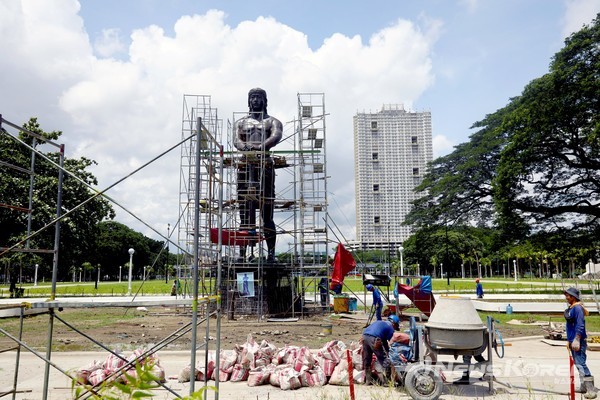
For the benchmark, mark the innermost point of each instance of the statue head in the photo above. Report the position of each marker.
(262, 93)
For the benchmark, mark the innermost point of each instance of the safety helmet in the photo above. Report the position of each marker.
(393, 318)
(573, 292)
(369, 287)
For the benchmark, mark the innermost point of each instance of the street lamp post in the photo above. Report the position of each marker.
(80, 269)
(120, 267)
(35, 275)
(131, 251)
(442, 270)
(515, 268)
(504, 270)
(401, 250)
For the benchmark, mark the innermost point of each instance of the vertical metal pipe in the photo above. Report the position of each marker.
(219, 261)
(196, 249)
(18, 357)
(31, 180)
(54, 270)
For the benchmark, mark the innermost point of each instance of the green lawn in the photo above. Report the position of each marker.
(354, 284)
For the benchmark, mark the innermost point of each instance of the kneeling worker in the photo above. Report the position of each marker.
(375, 341)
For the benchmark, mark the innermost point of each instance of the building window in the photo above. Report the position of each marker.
(376, 219)
(375, 156)
(376, 187)
(373, 125)
(312, 133)
(415, 171)
(414, 140)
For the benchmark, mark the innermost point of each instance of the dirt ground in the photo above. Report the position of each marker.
(128, 329)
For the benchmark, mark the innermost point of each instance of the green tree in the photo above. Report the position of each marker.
(549, 171)
(77, 229)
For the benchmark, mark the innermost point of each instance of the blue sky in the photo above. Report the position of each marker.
(111, 74)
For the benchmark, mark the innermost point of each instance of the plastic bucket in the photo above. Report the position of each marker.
(352, 304)
(340, 304)
(327, 329)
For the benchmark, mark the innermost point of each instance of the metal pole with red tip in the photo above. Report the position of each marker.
(350, 376)
(571, 375)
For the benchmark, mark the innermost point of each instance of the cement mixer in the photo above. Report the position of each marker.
(454, 328)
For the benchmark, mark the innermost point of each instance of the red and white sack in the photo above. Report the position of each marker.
(239, 373)
(287, 354)
(333, 350)
(97, 377)
(357, 361)
(185, 375)
(359, 376)
(274, 377)
(289, 379)
(318, 376)
(114, 362)
(228, 360)
(223, 375)
(259, 376)
(211, 366)
(138, 355)
(328, 367)
(249, 352)
(340, 374)
(304, 360)
(157, 372)
(268, 348)
(83, 373)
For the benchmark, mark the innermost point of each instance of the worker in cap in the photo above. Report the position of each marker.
(377, 303)
(375, 340)
(576, 337)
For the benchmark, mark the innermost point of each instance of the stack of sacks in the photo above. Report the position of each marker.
(149, 363)
(97, 372)
(288, 368)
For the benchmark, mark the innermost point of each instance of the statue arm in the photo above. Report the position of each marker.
(239, 141)
(275, 136)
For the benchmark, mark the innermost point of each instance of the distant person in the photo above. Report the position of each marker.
(174, 288)
(464, 379)
(335, 287)
(577, 340)
(478, 289)
(324, 291)
(375, 340)
(377, 303)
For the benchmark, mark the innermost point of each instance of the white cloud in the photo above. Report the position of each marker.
(442, 146)
(109, 44)
(579, 13)
(124, 112)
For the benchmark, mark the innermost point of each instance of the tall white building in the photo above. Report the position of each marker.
(391, 150)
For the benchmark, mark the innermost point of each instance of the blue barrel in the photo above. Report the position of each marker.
(352, 304)
(509, 309)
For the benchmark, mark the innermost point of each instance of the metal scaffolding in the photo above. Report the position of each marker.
(207, 306)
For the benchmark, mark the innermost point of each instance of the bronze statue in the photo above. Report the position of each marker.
(256, 134)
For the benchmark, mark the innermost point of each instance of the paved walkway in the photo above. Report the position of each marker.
(530, 369)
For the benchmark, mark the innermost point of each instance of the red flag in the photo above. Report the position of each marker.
(343, 262)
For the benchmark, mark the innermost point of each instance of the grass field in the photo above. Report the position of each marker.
(354, 284)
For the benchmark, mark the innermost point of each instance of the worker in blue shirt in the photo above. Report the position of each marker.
(377, 303)
(576, 338)
(375, 340)
(478, 289)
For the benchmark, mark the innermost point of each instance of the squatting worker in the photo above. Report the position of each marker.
(576, 337)
(375, 340)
